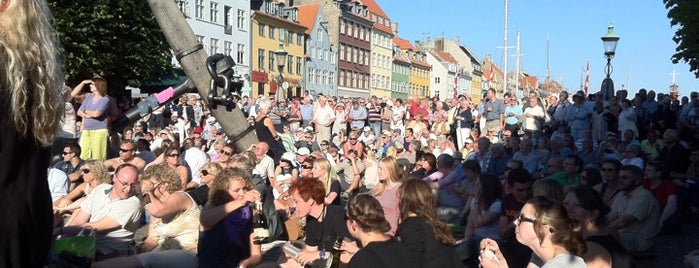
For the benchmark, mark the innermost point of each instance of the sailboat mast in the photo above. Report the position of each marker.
(518, 93)
(505, 56)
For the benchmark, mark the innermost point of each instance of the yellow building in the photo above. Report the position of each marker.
(270, 32)
(419, 68)
(381, 51)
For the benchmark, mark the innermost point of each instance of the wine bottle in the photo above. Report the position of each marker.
(259, 224)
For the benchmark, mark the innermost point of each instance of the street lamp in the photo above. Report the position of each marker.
(280, 57)
(610, 41)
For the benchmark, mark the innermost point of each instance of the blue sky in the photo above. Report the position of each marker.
(574, 28)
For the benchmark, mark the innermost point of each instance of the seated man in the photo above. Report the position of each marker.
(635, 212)
(127, 154)
(113, 212)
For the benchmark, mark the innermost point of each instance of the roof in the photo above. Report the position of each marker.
(402, 43)
(307, 16)
(374, 8)
(402, 59)
(445, 56)
(275, 17)
(468, 52)
(421, 63)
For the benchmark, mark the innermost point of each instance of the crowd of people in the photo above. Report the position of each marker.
(593, 178)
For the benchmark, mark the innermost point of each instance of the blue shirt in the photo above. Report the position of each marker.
(306, 112)
(516, 110)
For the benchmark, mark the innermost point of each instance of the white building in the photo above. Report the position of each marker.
(222, 27)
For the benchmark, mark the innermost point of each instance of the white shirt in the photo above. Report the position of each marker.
(265, 168)
(324, 114)
(126, 212)
(58, 183)
(195, 159)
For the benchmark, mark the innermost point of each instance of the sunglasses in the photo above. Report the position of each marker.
(173, 155)
(521, 218)
(85, 171)
(607, 169)
(227, 153)
(125, 150)
(353, 139)
(65, 153)
(306, 167)
(204, 172)
(324, 144)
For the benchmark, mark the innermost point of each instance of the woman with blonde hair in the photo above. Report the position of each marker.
(30, 84)
(226, 220)
(428, 239)
(207, 173)
(322, 171)
(387, 190)
(93, 173)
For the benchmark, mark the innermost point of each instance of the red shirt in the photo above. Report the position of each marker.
(664, 190)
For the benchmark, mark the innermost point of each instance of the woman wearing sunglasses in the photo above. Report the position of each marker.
(93, 174)
(544, 226)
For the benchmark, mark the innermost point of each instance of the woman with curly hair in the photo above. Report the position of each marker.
(366, 222)
(544, 226)
(226, 220)
(93, 173)
(428, 239)
(30, 115)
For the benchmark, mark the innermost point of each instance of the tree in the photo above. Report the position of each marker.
(116, 39)
(683, 13)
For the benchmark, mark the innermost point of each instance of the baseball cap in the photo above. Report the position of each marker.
(386, 133)
(303, 151)
(197, 130)
(367, 129)
(289, 156)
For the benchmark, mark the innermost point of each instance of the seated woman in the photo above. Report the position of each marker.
(585, 205)
(324, 223)
(226, 220)
(93, 173)
(321, 172)
(483, 220)
(544, 226)
(366, 222)
(428, 240)
(285, 173)
(171, 158)
(207, 173)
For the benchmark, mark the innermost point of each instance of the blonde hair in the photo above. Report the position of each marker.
(218, 192)
(163, 174)
(31, 76)
(327, 180)
(99, 171)
(394, 173)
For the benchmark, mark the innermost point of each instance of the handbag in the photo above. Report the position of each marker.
(76, 251)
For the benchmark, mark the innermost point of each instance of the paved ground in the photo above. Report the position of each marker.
(670, 249)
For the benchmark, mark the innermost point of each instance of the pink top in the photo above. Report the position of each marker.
(389, 201)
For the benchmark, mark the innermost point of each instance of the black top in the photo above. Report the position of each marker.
(423, 248)
(327, 231)
(620, 257)
(381, 254)
(335, 187)
(263, 133)
(467, 121)
(200, 194)
(24, 197)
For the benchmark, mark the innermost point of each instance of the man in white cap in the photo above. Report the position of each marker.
(367, 136)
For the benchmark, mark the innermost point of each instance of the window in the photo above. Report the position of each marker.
(299, 39)
(227, 48)
(310, 75)
(317, 76)
(261, 59)
(320, 34)
(343, 81)
(214, 12)
(319, 52)
(261, 89)
(290, 64)
(241, 53)
(325, 77)
(199, 9)
(214, 46)
(331, 78)
(261, 31)
(342, 26)
(298, 65)
(361, 33)
(272, 29)
(241, 19)
(184, 7)
(282, 34)
(200, 40)
(290, 37)
(342, 52)
(349, 28)
(271, 61)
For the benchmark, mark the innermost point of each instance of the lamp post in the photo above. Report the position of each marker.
(610, 41)
(280, 57)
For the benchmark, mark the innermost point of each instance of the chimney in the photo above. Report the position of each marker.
(439, 44)
(394, 27)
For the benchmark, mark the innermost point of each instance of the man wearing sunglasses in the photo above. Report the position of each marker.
(71, 162)
(127, 154)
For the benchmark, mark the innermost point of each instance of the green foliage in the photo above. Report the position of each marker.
(683, 14)
(112, 38)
